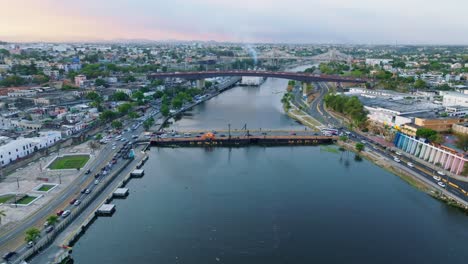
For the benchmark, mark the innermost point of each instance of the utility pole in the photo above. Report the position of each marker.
(229, 130)
(17, 181)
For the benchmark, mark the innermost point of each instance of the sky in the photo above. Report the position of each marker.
(271, 21)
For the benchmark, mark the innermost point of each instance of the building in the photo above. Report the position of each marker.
(461, 128)
(438, 155)
(438, 124)
(457, 111)
(22, 147)
(454, 99)
(393, 109)
(378, 62)
(22, 93)
(252, 80)
(409, 129)
(80, 80)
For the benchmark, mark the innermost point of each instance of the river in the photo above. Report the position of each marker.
(270, 205)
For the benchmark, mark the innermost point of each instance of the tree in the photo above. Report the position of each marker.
(419, 84)
(98, 136)
(117, 124)
(360, 147)
(32, 234)
(120, 96)
(344, 138)
(462, 141)
(2, 214)
(124, 108)
(100, 82)
(138, 95)
(107, 115)
(208, 84)
(148, 123)
(165, 110)
(427, 133)
(133, 115)
(93, 96)
(177, 102)
(52, 219)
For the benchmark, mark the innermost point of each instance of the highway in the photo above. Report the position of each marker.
(13, 240)
(453, 186)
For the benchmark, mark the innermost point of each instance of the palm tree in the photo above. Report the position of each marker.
(2, 214)
(52, 220)
(32, 234)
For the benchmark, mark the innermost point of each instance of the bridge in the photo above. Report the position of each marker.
(302, 77)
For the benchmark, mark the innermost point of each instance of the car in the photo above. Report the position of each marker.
(30, 244)
(293, 133)
(363, 142)
(59, 213)
(96, 182)
(398, 153)
(77, 202)
(73, 201)
(9, 255)
(441, 173)
(134, 136)
(66, 213)
(441, 184)
(222, 135)
(88, 172)
(114, 147)
(437, 178)
(411, 165)
(49, 229)
(83, 191)
(397, 160)
(87, 191)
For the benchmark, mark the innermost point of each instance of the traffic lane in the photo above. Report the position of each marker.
(430, 177)
(71, 207)
(63, 203)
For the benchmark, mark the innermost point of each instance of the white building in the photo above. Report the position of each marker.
(378, 62)
(22, 93)
(456, 111)
(454, 99)
(22, 147)
(252, 80)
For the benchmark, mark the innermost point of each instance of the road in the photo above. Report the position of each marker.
(13, 240)
(453, 186)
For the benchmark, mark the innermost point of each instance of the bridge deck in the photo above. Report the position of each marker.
(244, 140)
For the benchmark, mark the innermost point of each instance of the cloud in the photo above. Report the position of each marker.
(306, 21)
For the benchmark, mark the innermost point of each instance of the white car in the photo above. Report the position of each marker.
(398, 153)
(441, 184)
(411, 165)
(437, 178)
(397, 160)
(114, 147)
(441, 173)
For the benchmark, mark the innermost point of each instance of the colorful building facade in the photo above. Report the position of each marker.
(441, 156)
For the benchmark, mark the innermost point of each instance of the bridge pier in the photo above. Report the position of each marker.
(304, 89)
(201, 84)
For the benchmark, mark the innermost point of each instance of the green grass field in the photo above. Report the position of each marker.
(69, 162)
(45, 187)
(5, 198)
(26, 199)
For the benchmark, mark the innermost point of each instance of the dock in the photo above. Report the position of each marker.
(106, 209)
(137, 173)
(279, 140)
(120, 193)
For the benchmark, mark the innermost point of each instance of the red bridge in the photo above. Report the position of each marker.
(303, 77)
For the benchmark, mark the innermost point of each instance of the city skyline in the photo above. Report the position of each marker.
(296, 21)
